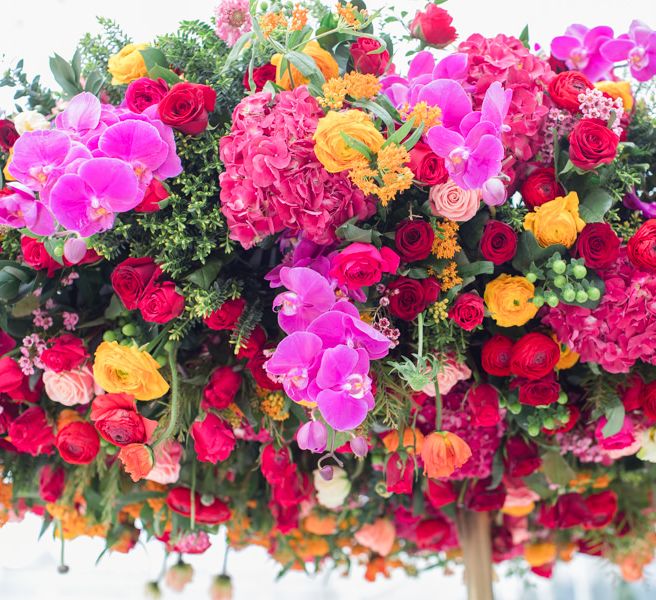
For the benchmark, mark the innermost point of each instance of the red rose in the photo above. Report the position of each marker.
(498, 242)
(427, 167)
(179, 501)
(482, 499)
(366, 59)
(186, 107)
(569, 511)
(591, 144)
(534, 356)
(226, 316)
(538, 392)
(11, 376)
(51, 483)
(131, 277)
(633, 394)
(602, 508)
(118, 421)
(256, 367)
(361, 265)
(253, 344)
(156, 192)
(495, 355)
(66, 353)
(641, 248)
(540, 187)
(78, 443)
(432, 532)
(36, 256)
(145, 92)
(161, 303)
(31, 433)
(399, 474)
(440, 493)
(7, 342)
(414, 240)
(521, 457)
(565, 88)
(8, 134)
(221, 389)
(408, 297)
(468, 311)
(598, 245)
(483, 400)
(433, 26)
(261, 75)
(273, 463)
(214, 441)
(648, 400)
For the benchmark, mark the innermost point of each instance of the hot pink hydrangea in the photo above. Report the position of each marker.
(622, 329)
(273, 180)
(505, 59)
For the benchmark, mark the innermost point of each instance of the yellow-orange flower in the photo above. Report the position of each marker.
(617, 89)
(508, 298)
(127, 369)
(128, 64)
(556, 221)
(138, 460)
(413, 439)
(320, 524)
(329, 145)
(323, 59)
(539, 554)
(443, 452)
(568, 358)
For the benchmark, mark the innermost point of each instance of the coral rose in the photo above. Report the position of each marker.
(291, 77)
(450, 201)
(444, 452)
(378, 536)
(508, 298)
(556, 221)
(127, 65)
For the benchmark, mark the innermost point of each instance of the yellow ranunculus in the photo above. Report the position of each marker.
(7, 175)
(556, 221)
(508, 298)
(323, 59)
(568, 358)
(128, 64)
(331, 149)
(617, 89)
(540, 553)
(126, 369)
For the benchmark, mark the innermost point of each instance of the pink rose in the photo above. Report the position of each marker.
(624, 440)
(361, 265)
(167, 463)
(451, 373)
(452, 202)
(69, 387)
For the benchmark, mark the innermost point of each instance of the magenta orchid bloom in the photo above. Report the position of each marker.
(638, 47)
(309, 296)
(21, 209)
(580, 49)
(82, 115)
(86, 201)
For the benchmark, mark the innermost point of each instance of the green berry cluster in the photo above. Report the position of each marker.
(536, 418)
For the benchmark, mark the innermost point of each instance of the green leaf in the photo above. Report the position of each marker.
(115, 308)
(528, 251)
(206, 275)
(595, 205)
(154, 56)
(94, 82)
(378, 111)
(556, 468)
(480, 267)
(240, 44)
(399, 135)
(307, 67)
(9, 285)
(159, 72)
(357, 145)
(615, 415)
(523, 36)
(414, 138)
(55, 248)
(64, 75)
(351, 233)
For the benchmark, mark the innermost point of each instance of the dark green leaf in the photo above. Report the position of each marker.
(556, 468)
(523, 36)
(205, 276)
(595, 205)
(152, 57)
(615, 415)
(159, 72)
(528, 251)
(307, 67)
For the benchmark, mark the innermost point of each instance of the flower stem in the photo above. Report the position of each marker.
(175, 400)
(192, 515)
(438, 406)
(420, 336)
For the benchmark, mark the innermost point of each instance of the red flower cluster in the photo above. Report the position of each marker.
(574, 510)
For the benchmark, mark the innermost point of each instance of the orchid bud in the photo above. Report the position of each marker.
(326, 473)
(494, 192)
(74, 250)
(359, 446)
(312, 436)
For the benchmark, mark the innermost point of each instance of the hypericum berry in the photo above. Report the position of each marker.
(532, 277)
(538, 301)
(594, 294)
(569, 295)
(562, 398)
(579, 271)
(552, 300)
(560, 281)
(559, 267)
(581, 296)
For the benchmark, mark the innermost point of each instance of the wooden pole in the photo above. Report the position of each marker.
(476, 544)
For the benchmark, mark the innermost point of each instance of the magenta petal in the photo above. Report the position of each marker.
(597, 36)
(422, 64)
(442, 140)
(70, 201)
(299, 350)
(36, 154)
(113, 181)
(562, 46)
(484, 162)
(336, 365)
(81, 114)
(616, 50)
(136, 142)
(450, 97)
(496, 104)
(453, 66)
(41, 222)
(341, 411)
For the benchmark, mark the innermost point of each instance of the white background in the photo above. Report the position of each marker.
(33, 30)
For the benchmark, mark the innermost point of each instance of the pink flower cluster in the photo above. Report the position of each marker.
(594, 105)
(562, 121)
(621, 330)
(272, 178)
(505, 59)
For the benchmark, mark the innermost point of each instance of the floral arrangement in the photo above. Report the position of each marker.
(267, 278)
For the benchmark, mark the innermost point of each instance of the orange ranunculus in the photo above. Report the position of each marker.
(320, 524)
(556, 221)
(138, 460)
(509, 300)
(323, 59)
(378, 536)
(413, 439)
(568, 358)
(444, 452)
(126, 369)
(540, 553)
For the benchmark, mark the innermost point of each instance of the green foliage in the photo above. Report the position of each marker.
(95, 50)
(37, 96)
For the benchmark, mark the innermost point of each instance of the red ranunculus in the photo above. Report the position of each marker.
(521, 457)
(366, 62)
(8, 134)
(482, 499)
(602, 507)
(569, 511)
(11, 376)
(483, 400)
(433, 26)
(186, 107)
(468, 311)
(145, 92)
(540, 187)
(534, 356)
(179, 501)
(273, 463)
(226, 316)
(65, 353)
(254, 344)
(427, 167)
(30, 432)
(440, 493)
(131, 277)
(161, 302)
(431, 533)
(598, 245)
(156, 192)
(565, 88)
(591, 144)
(498, 242)
(495, 355)
(408, 297)
(648, 400)
(261, 75)
(641, 248)
(36, 256)
(414, 240)
(118, 421)
(399, 474)
(214, 441)
(51, 482)
(221, 388)
(78, 443)
(538, 392)
(361, 265)
(633, 393)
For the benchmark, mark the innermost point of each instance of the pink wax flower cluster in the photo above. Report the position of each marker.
(98, 161)
(325, 359)
(273, 180)
(621, 330)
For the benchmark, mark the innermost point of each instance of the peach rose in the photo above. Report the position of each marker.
(70, 387)
(452, 202)
(451, 373)
(167, 463)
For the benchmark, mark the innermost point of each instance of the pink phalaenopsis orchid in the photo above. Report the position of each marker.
(580, 49)
(19, 208)
(638, 47)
